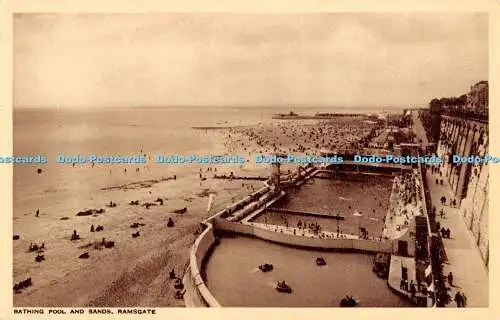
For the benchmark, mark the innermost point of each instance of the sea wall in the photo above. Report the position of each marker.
(469, 182)
(474, 209)
(199, 250)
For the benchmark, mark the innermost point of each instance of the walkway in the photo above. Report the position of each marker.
(305, 232)
(287, 211)
(419, 129)
(470, 275)
(399, 215)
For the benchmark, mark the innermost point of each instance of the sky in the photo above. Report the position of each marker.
(209, 59)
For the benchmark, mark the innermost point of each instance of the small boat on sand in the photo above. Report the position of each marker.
(266, 267)
(349, 301)
(281, 286)
(181, 211)
(320, 261)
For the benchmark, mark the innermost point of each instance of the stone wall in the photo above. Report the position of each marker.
(469, 182)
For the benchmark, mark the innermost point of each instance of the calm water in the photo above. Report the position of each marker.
(123, 131)
(233, 277)
(329, 196)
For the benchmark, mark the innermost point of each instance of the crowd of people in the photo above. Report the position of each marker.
(410, 287)
(405, 203)
(313, 227)
(300, 136)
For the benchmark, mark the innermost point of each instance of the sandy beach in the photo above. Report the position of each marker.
(250, 89)
(135, 271)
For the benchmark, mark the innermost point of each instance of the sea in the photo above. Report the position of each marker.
(120, 131)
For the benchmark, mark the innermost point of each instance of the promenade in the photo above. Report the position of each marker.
(400, 214)
(470, 275)
(419, 129)
(304, 232)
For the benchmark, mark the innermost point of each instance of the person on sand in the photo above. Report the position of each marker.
(37, 213)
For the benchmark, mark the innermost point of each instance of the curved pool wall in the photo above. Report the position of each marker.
(232, 276)
(205, 242)
(199, 250)
(307, 242)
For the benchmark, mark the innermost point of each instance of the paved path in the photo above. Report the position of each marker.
(464, 260)
(399, 215)
(305, 232)
(419, 129)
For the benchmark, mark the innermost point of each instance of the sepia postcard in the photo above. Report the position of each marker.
(262, 158)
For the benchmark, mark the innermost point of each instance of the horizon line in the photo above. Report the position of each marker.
(216, 106)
